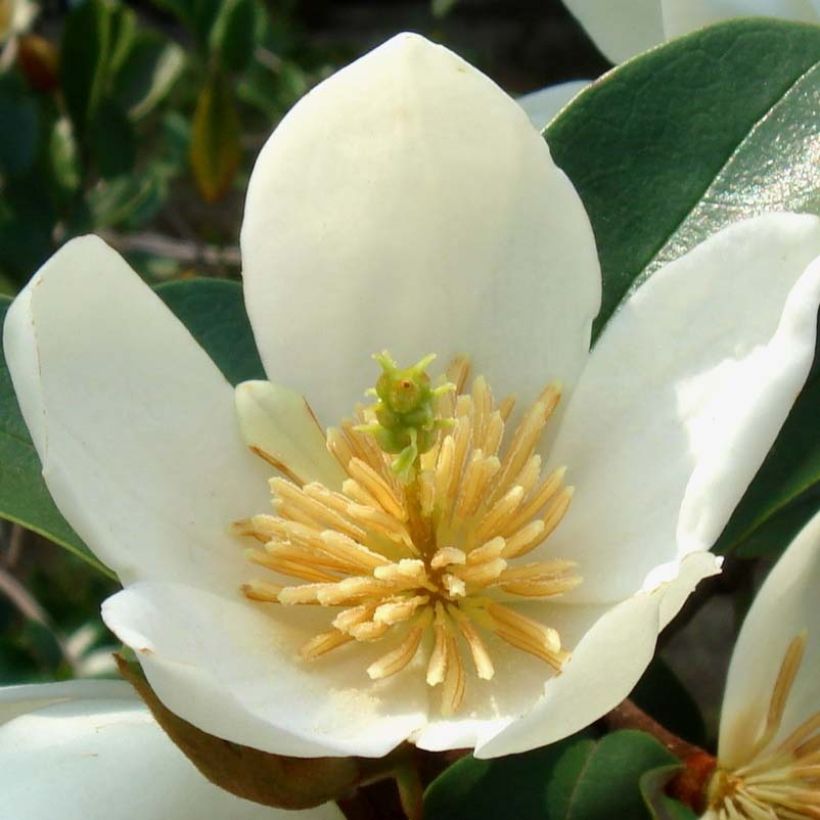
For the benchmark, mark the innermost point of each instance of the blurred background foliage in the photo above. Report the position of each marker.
(140, 121)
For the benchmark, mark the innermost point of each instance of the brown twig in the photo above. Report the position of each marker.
(629, 716)
(183, 251)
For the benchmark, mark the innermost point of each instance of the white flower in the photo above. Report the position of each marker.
(627, 27)
(90, 750)
(769, 749)
(408, 203)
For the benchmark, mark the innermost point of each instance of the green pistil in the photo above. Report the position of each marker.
(405, 422)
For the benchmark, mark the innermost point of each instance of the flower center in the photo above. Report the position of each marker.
(418, 549)
(777, 781)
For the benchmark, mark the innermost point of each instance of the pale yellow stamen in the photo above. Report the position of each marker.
(425, 564)
(775, 781)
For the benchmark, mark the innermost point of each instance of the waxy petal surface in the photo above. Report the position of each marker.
(684, 395)
(785, 606)
(90, 755)
(134, 424)
(407, 203)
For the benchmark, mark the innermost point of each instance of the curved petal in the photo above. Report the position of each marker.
(606, 663)
(622, 29)
(134, 424)
(29, 697)
(682, 16)
(246, 657)
(542, 105)
(684, 395)
(407, 203)
(105, 758)
(785, 606)
(279, 425)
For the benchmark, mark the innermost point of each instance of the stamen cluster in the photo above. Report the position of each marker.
(426, 561)
(780, 780)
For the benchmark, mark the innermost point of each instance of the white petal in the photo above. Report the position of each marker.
(620, 29)
(246, 657)
(279, 423)
(785, 606)
(18, 700)
(134, 424)
(542, 105)
(682, 16)
(684, 394)
(93, 758)
(407, 203)
(606, 663)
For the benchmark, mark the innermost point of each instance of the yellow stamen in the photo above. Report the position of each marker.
(424, 560)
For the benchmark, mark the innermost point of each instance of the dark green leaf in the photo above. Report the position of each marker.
(23, 494)
(19, 127)
(215, 146)
(232, 37)
(152, 67)
(112, 140)
(123, 34)
(521, 786)
(702, 132)
(84, 54)
(576, 779)
(214, 311)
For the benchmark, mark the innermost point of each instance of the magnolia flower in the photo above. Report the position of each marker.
(623, 29)
(472, 600)
(769, 750)
(90, 750)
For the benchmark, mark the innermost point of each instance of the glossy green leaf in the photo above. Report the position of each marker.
(214, 311)
(576, 779)
(148, 74)
(23, 494)
(19, 126)
(674, 145)
(215, 138)
(702, 132)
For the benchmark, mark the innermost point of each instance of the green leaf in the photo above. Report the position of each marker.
(702, 132)
(660, 805)
(233, 35)
(214, 311)
(23, 494)
(84, 54)
(707, 130)
(215, 146)
(576, 779)
(19, 132)
(150, 71)
(112, 140)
